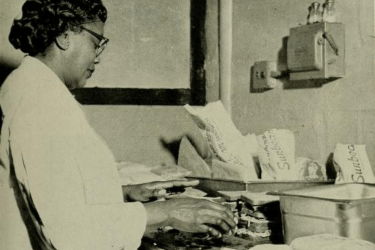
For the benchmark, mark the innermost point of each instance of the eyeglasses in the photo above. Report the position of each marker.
(103, 41)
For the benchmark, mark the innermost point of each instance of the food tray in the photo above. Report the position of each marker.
(344, 209)
(211, 186)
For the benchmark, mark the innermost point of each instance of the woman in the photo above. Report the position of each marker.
(59, 179)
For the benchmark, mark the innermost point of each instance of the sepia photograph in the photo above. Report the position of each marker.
(187, 125)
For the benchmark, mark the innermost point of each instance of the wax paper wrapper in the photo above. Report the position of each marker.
(225, 141)
(352, 164)
(171, 172)
(132, 173)
(277, 155)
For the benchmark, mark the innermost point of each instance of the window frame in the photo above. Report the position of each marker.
(195, 95)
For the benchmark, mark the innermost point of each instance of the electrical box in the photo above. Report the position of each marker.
(263, 75)
(316, 51)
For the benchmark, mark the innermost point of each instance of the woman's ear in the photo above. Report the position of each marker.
(63, 41)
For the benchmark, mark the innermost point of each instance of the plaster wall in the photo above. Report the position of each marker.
(342, 111)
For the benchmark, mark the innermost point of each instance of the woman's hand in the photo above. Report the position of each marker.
(191, 215)
(153, 190)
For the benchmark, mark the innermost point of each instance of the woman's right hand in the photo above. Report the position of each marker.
(191, 215)
(196, 215)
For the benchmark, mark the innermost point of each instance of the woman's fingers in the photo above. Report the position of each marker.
(162, 188)
(185, 183)
(196, 215)
(173, 183)
(219, 219)
(225, 212)
(203, 228)
(218, 223)
(157, 193)
(210, 230)
(211, 214)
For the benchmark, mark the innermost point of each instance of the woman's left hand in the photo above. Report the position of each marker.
(154, 190)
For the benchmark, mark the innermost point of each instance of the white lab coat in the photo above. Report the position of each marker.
(65, 174)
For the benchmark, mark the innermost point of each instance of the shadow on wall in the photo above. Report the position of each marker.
(330, 168)
(197, 141)
(172, 147)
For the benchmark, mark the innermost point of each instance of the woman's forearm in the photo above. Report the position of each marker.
(157, 215)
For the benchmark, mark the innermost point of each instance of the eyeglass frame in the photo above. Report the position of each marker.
(103, 41)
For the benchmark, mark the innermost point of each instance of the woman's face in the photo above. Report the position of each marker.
(81, 59)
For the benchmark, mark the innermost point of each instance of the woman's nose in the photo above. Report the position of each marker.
(97, 60)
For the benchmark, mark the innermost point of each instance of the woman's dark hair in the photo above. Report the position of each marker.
(44, 20)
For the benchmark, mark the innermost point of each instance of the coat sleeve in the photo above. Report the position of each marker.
(54, 184)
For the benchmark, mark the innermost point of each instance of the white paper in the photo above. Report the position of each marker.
(225, 141)
(352, 164)
(277, 155)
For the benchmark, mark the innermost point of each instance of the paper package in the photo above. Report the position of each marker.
(352, 164)
(225, 141)
(276, 155)
(214, 169)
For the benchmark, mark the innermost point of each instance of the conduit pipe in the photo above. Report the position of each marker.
(225, 53)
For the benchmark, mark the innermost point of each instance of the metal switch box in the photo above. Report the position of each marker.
(316, 51)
